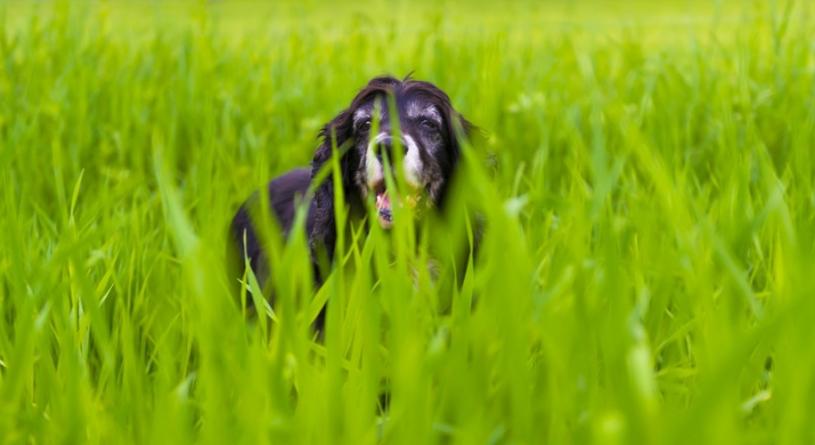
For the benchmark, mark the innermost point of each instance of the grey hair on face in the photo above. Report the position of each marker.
(416, 110)
(360, 115)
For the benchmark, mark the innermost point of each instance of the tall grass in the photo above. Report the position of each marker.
(645, 275)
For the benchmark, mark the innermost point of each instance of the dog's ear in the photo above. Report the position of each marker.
(459, 133)
(459, 130)
(338, 133)
(335, 133)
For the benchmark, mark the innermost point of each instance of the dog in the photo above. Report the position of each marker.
(365, 136)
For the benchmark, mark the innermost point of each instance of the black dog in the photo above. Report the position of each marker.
(429, 133)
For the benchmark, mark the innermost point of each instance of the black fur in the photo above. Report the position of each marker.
(340, 133)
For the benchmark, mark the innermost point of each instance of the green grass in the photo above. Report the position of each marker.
(647, 180)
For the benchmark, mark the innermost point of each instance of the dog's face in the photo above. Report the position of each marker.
(425, 129)
(424, 146)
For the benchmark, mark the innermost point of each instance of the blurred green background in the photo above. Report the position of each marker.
(647, 179)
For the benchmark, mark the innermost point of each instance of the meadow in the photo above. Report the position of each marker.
(646, 177)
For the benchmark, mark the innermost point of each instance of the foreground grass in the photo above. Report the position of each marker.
(646, 275)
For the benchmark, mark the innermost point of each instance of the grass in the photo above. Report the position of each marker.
(647, 181)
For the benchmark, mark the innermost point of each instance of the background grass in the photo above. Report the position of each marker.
(647, 180)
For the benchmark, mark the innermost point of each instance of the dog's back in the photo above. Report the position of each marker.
(284, 192)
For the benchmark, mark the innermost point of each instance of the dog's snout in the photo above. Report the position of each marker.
(387, 145)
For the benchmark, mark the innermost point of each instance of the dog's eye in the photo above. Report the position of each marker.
(428, 124)
(364, 125)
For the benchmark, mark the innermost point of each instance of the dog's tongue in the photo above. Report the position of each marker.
(383, 200)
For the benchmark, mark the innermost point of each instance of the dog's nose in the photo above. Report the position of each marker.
(386, 145)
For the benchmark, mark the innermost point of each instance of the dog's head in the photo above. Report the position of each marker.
(426, 130)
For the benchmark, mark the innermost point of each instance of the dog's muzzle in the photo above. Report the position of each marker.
(383, 147)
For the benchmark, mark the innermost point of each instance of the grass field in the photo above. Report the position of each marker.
(647, 178)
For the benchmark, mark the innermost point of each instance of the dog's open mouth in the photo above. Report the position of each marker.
(384, 209)
(385, 201)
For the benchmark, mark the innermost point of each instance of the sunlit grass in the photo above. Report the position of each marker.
(645, 274)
